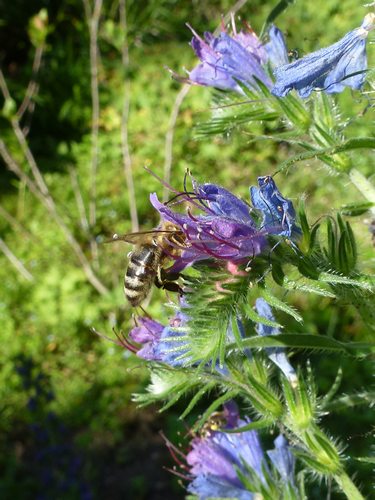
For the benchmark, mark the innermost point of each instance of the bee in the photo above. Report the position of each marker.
(147, 260)
(216, 421)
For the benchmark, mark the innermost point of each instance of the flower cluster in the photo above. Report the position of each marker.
(227, 60)
(226, 229)
(161, 343)
(218, 461)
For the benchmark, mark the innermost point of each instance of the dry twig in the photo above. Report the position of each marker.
(16, 263)
(92, 18)
(127, 161)
(49, 203)
(170, 136)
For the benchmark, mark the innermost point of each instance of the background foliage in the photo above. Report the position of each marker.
(65, 393)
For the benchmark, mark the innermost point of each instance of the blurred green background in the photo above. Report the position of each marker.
(68, 428)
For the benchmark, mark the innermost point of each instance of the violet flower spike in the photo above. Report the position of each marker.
(278, 212)
(328, 69)
(276, 354)
(226, 59)
(225, 230)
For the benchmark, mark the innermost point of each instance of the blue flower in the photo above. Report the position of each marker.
(276, 49)
(240, 57)
(328, 69)
(226, 59)
(216, 458)
(154, 338)
(276, 354)
(283, 459)
(278, 212)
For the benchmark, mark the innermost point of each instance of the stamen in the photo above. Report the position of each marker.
(178, 474)
(225, 242)
(165, 184)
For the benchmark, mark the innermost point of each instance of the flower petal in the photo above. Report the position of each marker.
(283, 459)
(276, 48)
(326, 66)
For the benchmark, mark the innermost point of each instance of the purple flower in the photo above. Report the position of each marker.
(283, 459)
(240, 57)
(216, 458)
(276, 48)
(276, 354)
(278, 212)
(328, 69)
(225, 230)
(226, 59)
(154, 338)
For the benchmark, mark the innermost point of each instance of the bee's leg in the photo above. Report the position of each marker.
(167, 281)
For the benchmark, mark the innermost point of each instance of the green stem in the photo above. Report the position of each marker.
(348, 487)
(366, 188)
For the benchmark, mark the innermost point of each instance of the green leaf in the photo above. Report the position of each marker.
(258, 424)
(279, 304)
(308, 286)
(194, 400)
(251, 314)
(335, 279)
(304, 341)
(349, 145)
(356, 209)
(275, 13)
(351, 401)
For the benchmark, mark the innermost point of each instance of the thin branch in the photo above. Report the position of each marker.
(33, 86)
(13, 222)
(49, 203)
(23, 143)
(92, 18)
(170, 136)
(79, 201)
(127, 161)
(15, 261)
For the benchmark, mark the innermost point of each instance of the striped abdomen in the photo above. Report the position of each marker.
(141, 272)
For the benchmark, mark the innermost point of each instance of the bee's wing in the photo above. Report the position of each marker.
(139, 237)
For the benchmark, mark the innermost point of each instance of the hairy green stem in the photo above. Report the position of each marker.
(348, 487)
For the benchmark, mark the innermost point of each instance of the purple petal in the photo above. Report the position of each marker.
(147, 331)
(222, 202)
(210, 486)
(243, 446)
(227, 59)
(276, 354)
(207, 457)
(276, 48)
(278, 212)
(241, 64)
(252, 44)
(354, 62)
(211, 76)
(283, 459)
